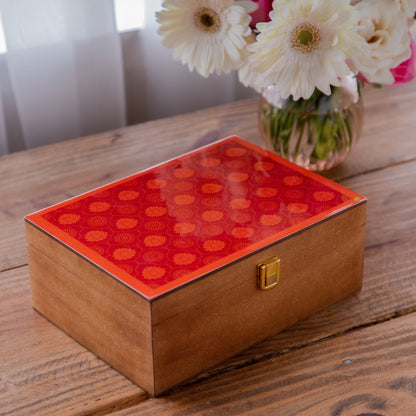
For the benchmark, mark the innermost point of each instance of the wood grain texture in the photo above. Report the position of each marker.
(391, 197)
(45, 372)
(367, 371)
(93, 318)
(216, 327)
(320, 265)
(389, 285)
(89, 273)
(40, 177)
(37, 178)
(379, 300)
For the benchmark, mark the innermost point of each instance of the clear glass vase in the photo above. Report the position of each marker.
(317, 133)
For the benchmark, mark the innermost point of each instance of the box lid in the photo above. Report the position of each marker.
(168, 225)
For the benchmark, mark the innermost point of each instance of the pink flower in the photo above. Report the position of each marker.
(262, 13)
(406, 71)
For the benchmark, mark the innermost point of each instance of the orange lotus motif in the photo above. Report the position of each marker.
(124, 253)
(237, 176)
(323, 196)
(211, 188)
(96, 235)
(184, 199)
(267, 192)
(155, 211)
(263, 166)
(240, 203)
(236, 151)
(292, 180)
(184, 227)
(99, 206)
(242, 232)
(297, 208)
(153, 272)
(128, 195)
(68, 219)
(183, 173)
(210, 162)
(214, 245)
(154, 240)
(126, 223)
(270, 220)
(156, 183)
(182, 259)
(212, 215)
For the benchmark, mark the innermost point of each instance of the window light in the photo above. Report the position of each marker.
(3, 46)
(130, 14)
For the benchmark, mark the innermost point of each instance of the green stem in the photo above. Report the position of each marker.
(329, 132)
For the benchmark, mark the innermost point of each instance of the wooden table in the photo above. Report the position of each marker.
(356, 357)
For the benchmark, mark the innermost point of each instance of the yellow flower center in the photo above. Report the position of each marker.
(207, 20)
(305, 37)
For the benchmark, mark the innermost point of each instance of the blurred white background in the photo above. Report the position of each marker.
(70, 68)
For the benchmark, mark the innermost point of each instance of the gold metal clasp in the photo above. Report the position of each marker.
(268, 273)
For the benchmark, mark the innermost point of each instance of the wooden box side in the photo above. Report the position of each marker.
(97, 311)
(319, 266)
(89, 272)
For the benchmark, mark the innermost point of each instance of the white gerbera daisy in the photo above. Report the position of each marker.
(305, 45)
(208, 35)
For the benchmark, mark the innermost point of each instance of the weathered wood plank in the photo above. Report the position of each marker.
(389, 289)
(391, 197)
(37, 178)
(389, 133)
(367, 372)
(45, 372)
(385, 294)
(389, 285)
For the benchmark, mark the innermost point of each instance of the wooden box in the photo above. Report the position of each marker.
(165, 273)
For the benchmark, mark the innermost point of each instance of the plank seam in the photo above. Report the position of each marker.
(380, 168)
(268, 356)
(13, 268)
(116, 406)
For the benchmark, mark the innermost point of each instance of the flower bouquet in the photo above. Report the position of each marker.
(306, 57)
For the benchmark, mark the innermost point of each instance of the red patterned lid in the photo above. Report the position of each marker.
(163, 227)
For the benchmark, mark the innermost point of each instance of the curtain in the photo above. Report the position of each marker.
(4, 147)
(63, 71)
(158, 86)
(68, 72)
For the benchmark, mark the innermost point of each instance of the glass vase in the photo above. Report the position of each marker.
(317, 133)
